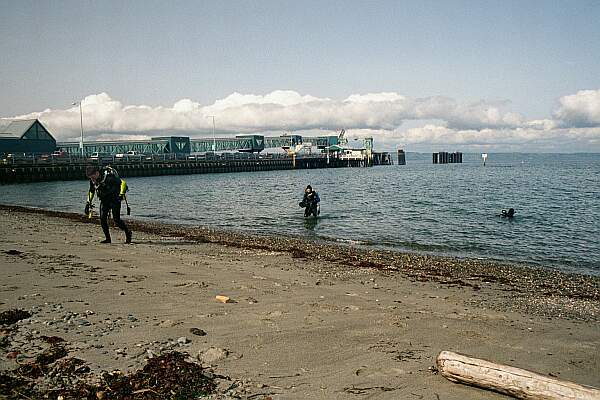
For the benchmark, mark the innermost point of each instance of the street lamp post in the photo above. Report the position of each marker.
(81, 126)
(214, 146)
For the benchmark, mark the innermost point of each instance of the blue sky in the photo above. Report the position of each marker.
(514, 57)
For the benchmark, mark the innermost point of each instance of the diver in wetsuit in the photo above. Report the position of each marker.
(310, 202)
(508, 214)
(111, 191)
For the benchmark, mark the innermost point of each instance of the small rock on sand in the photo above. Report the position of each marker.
(167, 323)
(183, 341)
(197, 332)
(212, 355)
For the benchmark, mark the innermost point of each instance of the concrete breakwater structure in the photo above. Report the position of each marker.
(74, 169)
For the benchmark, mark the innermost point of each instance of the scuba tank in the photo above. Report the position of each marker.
(123, 189)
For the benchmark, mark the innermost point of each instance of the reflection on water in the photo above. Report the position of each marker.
(310, 223)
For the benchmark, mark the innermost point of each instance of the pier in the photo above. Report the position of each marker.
(443, 157)
(29, 153)
(35, 169)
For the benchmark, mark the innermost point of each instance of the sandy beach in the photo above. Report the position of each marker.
(305, 321)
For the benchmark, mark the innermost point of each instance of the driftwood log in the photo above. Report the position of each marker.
(512, 381)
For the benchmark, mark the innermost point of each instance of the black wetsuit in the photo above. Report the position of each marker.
(310, 201)
(108, 188)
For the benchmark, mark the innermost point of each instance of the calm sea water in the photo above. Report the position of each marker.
(436, 209)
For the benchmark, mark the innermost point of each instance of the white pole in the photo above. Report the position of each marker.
(78, 103)
(81, 126)
(214, 147)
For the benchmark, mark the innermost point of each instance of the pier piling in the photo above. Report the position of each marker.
(443, 157)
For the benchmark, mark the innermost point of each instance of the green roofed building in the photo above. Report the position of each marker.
(25, 136)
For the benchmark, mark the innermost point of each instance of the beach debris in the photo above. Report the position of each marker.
(273, 314)
(224, 299)
(197, 332)
(167, 323)
(296, 253)
(169, 376)
(40, 366)
(51, 354)
(12, 316)
(182, 341)
(4, 340)
(69, 366)
(83, 322)
(516, 382)
(10, 384)
(212, 355)
(366, 389)
(13, 252)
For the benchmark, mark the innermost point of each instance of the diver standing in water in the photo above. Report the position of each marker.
(111, 191)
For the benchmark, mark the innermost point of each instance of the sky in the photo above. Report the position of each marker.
(422, 75)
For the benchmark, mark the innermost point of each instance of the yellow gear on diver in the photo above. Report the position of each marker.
(123, 188)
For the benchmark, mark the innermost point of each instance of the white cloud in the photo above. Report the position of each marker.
(276, 110)
(280, 97)
(375, 97)
(581, 109)
(437, 138)
(380, 115)
(542, 124)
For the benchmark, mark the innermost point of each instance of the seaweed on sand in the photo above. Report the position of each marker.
(12, 316)
(168, 376)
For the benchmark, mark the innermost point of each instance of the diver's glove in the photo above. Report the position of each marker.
(88, 209)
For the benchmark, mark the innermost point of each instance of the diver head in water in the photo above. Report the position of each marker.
(508, 214)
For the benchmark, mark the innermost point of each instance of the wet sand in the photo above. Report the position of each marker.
(310, 320)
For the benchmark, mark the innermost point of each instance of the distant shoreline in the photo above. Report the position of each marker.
(532, 285)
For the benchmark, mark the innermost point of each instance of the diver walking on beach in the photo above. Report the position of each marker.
(310, 202)
(111, 191)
